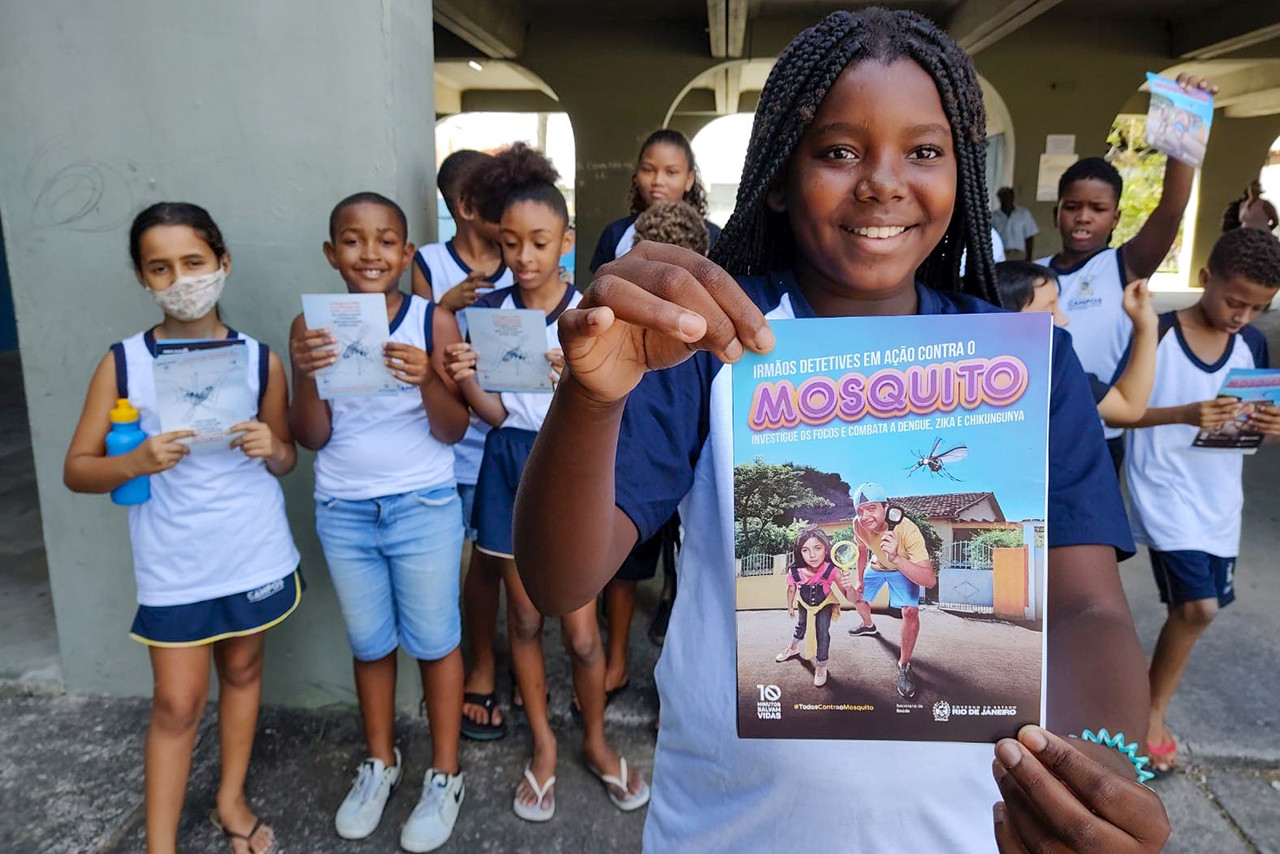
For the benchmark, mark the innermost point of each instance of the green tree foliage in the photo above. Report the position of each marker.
(1142, 168)
(766, 495)
(999, 538)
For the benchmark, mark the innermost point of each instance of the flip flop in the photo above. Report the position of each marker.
(539, 811)
(231, 835)
(1164, 753)
(632, 801)
(483, 731)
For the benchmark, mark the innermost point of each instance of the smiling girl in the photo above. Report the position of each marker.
(863, 184)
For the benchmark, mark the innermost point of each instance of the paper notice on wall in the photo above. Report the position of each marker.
(1060, 143)
(1051, 168)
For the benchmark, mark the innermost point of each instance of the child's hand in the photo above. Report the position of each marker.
(312, 350)
(407, 363)
(556, 358)
(791, 609)
(1137, 304)
(1058, 799)
(1265, 420)
(649, 310)
(460, 361)
(1208, 414)
(465, 292)
(162, 452)
(1191, 81)
(255, 439)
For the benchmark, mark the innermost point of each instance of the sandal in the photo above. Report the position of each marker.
(539, 811)
(231, 835)
(632, 801)
(477, 731)
(1164, 758)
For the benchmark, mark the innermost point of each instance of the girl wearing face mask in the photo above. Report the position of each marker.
(214, 561)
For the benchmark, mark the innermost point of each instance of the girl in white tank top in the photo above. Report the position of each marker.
(214, 560)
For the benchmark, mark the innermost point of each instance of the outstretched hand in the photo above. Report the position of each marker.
(649, 310)
(1056, 799)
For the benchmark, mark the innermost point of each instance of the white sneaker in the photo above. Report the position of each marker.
(819, 675)
(431, 823)
(362, 809)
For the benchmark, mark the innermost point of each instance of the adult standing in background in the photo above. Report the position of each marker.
(1015, 224)
(1251, 211)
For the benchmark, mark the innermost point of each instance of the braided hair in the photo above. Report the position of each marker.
(756, 239)
(697, 194)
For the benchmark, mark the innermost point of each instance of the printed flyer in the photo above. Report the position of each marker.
(890, 491)
(359, 322)
(1178, 120)
(1252, 389)
(203, 386)
(511, 348)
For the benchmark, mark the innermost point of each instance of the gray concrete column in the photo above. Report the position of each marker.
(616, 84)
(1237, 152)
(264, 113)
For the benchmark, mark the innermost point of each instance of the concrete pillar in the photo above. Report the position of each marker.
(264, 113)
(616, 84)
(1059, 76)
(1237, 152)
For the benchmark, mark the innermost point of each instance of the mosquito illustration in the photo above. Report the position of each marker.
(936, 462)
(515, 354)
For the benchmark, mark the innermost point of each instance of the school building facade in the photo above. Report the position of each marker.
(267, 113)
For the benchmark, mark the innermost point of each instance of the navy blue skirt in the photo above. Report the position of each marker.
(506, 450)
(212, 620)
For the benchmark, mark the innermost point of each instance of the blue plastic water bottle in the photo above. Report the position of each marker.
(126, 435)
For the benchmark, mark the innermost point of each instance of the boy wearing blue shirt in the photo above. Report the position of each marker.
(1187, 502)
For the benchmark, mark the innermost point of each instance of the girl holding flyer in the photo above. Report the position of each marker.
(862, 185)
(213, 557)
(518, 190)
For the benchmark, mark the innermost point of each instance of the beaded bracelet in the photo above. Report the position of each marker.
(1129, 750)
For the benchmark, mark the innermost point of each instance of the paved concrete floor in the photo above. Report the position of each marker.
(70, 766)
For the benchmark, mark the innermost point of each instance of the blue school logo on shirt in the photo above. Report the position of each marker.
(1084, 297)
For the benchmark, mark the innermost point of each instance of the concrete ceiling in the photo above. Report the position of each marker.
(1199, 30)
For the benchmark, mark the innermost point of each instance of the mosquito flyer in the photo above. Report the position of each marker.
(203, 386)
(511, 345)
(890, 491)
(359, 323)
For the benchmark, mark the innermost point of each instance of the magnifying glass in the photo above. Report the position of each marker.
(892, 517)
(844, 554)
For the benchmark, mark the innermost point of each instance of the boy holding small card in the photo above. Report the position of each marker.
(388, 513)
(1187, 502)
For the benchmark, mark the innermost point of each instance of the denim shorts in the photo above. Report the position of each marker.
(467, 492)
(394, 563)
(903, 592)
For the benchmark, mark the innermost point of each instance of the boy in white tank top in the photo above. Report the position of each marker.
(389, 518)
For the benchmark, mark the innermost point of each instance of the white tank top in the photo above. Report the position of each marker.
(444, 268)
(1091, 294)
(215, 524)
(382, 444)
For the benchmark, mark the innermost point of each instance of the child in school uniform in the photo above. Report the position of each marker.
(863, 182)
(1025, 286)
(518, 189)
(454, 274)
(389, 518)
(213, 557)
(1092, 276)
(666, 170)
(1187, 502)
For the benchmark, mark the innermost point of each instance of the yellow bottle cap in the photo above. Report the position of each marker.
(124, 412)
